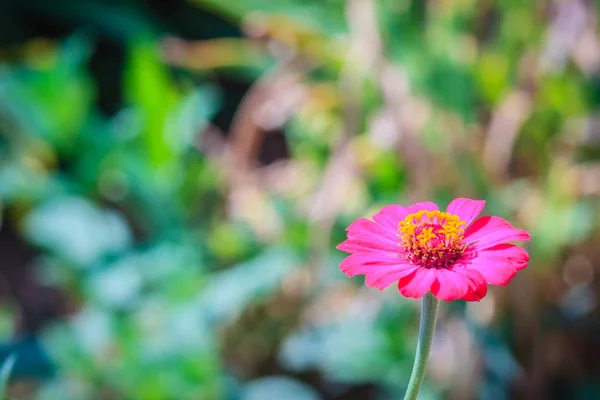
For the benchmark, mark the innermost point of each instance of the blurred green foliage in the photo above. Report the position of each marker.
(180, 173)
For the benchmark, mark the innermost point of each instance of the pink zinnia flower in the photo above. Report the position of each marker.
(425, 249)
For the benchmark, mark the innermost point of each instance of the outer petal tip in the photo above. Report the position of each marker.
(477, 285)
(476, 294)
(491, 231)
(417, 283)
(497, 264)
(466, 209)
(450, 285)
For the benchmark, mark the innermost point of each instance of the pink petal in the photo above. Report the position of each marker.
(477, 285)
(380, 270)
(364, 263)
(449, 285)
(368, 246)
(497, 264)
(390, 216)
(363, 230)
(381, 279)
(425, 205)
(466, 209)
(490, 231)
(416, 284)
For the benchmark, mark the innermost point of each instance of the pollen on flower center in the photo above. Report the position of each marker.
(432, 239)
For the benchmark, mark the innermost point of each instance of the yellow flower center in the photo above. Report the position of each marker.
(432, 239)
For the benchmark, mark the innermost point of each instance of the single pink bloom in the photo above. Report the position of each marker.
(425, 249)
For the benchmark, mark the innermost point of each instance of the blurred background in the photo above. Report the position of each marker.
(175, 175)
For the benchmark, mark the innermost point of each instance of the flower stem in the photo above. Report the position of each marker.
(426, 330)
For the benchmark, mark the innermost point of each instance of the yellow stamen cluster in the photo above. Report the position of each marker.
(432, 239)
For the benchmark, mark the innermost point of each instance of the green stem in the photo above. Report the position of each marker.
(426, 330)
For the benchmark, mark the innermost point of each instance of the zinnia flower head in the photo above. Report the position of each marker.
(423, 249)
